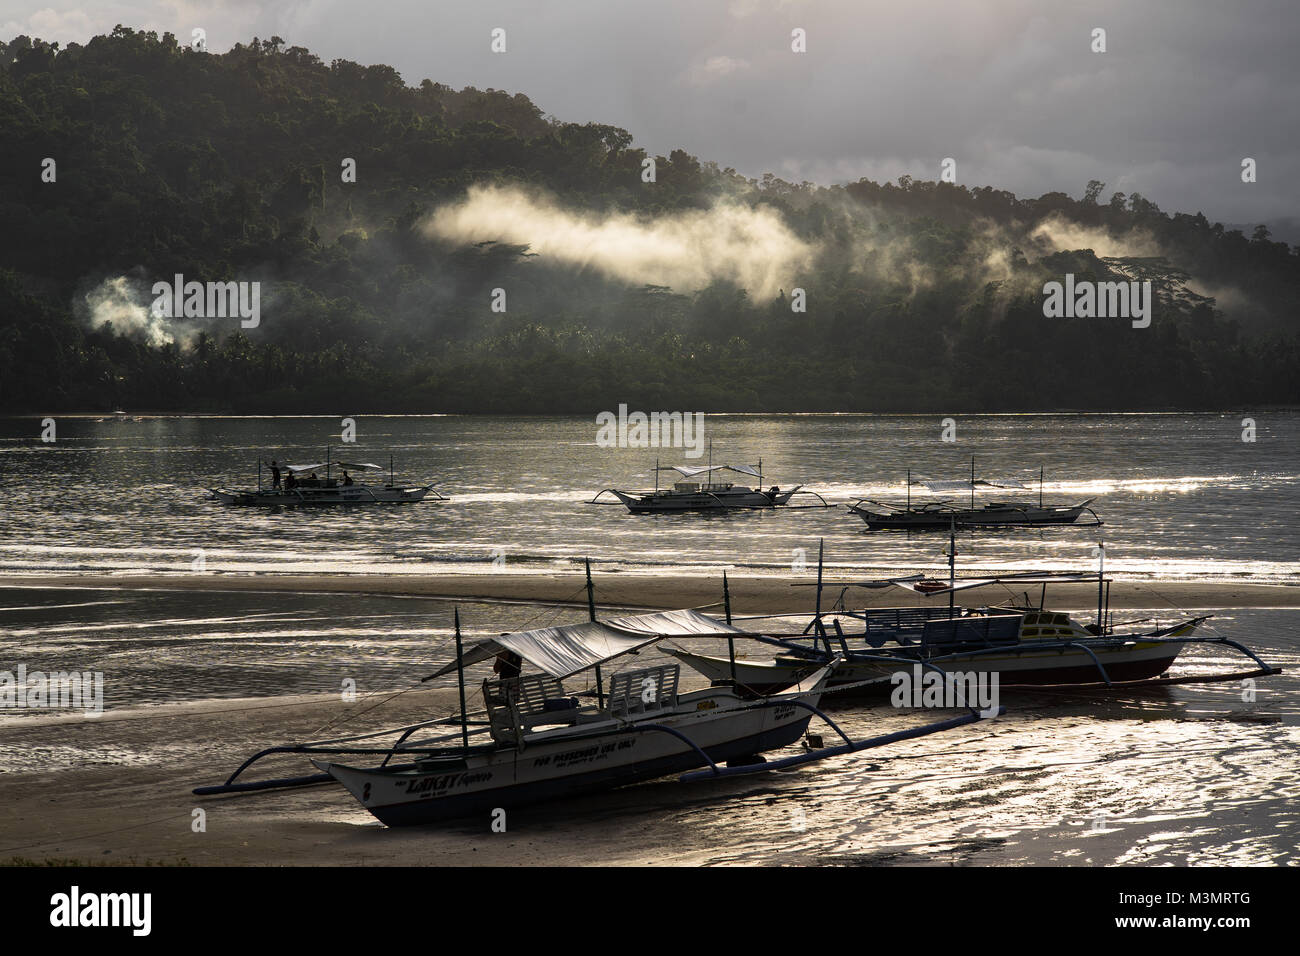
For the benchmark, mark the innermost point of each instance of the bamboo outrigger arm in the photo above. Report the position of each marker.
(323, 747)
(845, 748)
(805, 491)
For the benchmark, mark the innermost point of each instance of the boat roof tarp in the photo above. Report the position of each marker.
(690, 471)
(965, 484)
(941, 586)
(334, 464)
(564, 651)
(920, 584)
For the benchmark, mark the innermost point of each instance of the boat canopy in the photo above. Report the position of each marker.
(564, 651)
(687, 471)
(941, 586)
(333, 464)
(920, 584)
(965, 484)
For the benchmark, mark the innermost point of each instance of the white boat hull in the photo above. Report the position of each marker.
(672, 501)
(990, 516)
(1123, 661)
(342, 495)
(563, 762)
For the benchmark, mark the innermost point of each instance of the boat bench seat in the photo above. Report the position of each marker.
(540, 696)
(984, 631)
(521, 703)
(901, 624)
(644, 691)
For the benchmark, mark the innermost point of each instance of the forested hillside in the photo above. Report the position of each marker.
(672, 294)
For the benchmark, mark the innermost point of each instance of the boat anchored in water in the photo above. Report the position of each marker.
(302, 486)
(702, 489)
(942, 515)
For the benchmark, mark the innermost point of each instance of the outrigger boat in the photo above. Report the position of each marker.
(941, 515)
(700, 489)
(302, 487)
(1025, 644)
(544, 742)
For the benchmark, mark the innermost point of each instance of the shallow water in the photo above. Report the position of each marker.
(1184, 775)
(1189, 774)
(1182, 496)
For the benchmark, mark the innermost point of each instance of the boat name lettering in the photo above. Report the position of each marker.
(447, 782)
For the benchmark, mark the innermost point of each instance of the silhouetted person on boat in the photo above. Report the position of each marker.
(290, 482)
(508, 665)
(275, 476)
(347, 479)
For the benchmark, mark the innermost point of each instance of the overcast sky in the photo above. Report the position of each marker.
(1008, 88)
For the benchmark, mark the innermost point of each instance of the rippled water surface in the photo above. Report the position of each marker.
(1187, 774)
(1182, 496)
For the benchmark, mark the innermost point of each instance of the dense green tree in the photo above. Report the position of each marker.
(920, 295)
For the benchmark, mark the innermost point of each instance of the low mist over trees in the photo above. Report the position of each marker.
(376, 294)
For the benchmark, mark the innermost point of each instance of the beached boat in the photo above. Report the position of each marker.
(1024, 644)
(544, 742)
(942, 515)
(302, 486)
(702, 489)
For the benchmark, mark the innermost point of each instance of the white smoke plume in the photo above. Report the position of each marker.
(1058, 234)
(752, 247)
(123, 302)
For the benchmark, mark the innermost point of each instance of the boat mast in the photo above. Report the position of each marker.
(909, 489)
(390, 471)
(656, 476)
(1101, 573)
(460, 680)
(952, 565)
(731, 641)
(821, 628)
(972, 482)
(259, 472)
(591, 615)
(1040, 486)
(327, 464)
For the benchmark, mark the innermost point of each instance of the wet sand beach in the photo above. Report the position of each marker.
(1188, 775)
(750, 594)
(1133, 781)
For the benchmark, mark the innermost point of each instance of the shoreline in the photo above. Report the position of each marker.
(750, 594)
